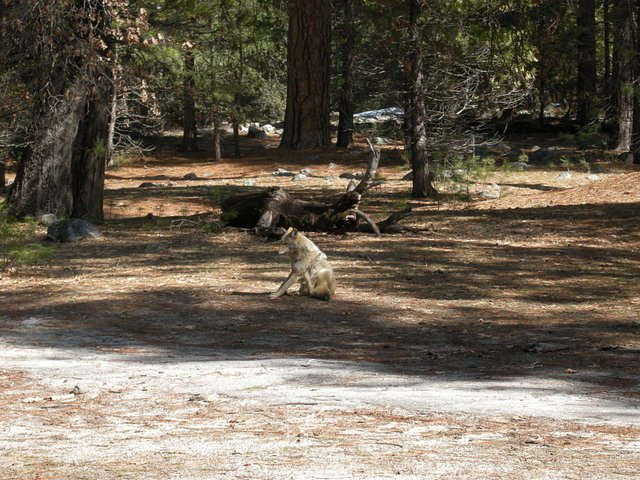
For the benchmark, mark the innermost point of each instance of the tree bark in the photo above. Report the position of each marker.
(422, 174)
(606, 40)
(587, 79)
(113, 116)
(626, 56)
(346, 109)
(190, 134)
(306, 121)
(43, 181)
(90, 156)
(61, 171)
(217, 152)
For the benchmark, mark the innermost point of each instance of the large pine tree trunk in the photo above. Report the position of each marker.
(43, 181)
(345, 120)
(422, 174)
(306, 121)
(625, 57)
(587, 79)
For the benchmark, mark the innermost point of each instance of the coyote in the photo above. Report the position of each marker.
(309, 267)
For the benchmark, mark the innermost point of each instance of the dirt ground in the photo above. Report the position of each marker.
(498, 339)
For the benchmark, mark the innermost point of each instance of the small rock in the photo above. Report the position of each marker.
(47, 219)
(301, 177)
(352, 176)
(545, 347)
(31, 321)
(281, 172)
(521, 165)
(149, 185)
(72, 230)
(332, 166)
(347, 176)
(306, 171)
(488, 195)
(593, 177)
(190, 176)
(565, 176)
(249, 183)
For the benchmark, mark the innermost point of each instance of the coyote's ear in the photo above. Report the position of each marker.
(294, 232)
(287, 233)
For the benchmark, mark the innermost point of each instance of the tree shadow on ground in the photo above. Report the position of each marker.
(458, 302)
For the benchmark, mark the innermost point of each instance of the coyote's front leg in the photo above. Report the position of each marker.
(291, 279)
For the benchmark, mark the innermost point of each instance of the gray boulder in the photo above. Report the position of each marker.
(72, 230)
(281, 172)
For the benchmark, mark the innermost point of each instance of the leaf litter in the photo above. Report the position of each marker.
(498, 339)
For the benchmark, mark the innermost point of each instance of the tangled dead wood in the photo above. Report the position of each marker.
(272, 211)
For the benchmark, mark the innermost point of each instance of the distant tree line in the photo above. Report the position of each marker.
(82, 80)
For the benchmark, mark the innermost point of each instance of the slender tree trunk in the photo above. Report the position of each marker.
(541, 80)
(217, 152)
(236, 126)
(190, 135)
(422, 174)
(113, 116)
(236, 102)
(606, 34)
(306, 121)
(587, 78)
(626, 56)
(346, 110)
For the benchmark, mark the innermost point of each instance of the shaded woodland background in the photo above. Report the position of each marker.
(92, 83)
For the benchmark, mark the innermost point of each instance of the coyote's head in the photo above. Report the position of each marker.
(288, 240)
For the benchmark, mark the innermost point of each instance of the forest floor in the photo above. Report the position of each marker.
(499, 339)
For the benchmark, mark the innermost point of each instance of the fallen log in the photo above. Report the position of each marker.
(271, 212)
